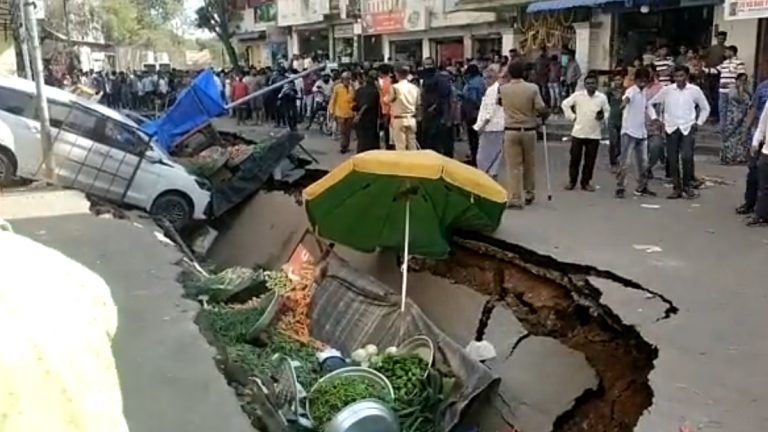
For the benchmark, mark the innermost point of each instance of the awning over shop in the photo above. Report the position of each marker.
(488, 5)
(550, 5)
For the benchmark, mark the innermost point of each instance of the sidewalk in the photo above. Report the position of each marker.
(168, 377)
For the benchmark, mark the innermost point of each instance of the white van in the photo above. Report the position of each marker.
(95, 150)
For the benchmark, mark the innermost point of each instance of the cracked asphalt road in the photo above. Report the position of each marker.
(710, 370)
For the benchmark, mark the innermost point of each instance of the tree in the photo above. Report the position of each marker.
(219, 17)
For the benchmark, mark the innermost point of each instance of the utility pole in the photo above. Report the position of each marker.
(42, 101)
(20, 29)
(65, 7)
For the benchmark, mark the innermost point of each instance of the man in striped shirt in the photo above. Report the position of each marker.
(664, 65)
(728, 70)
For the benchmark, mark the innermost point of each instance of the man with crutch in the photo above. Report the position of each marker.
(523, 106)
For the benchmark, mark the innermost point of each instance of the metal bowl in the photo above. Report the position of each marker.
(367, 415)
(273, 300)
(369, 374)
(422, 346)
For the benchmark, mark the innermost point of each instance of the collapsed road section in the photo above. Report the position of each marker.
(556, 300)
(548, 297)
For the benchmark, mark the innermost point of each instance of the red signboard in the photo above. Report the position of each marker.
(385, 22)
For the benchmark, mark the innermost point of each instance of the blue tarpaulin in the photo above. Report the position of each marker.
(194, 107)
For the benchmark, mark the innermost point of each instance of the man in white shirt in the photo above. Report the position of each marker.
(634, 136)
(490, 125)
(758, 140)
(680, 102)
(588, 109)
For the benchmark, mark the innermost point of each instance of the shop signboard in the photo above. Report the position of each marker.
(297, 12)
(264, 11)
(745, 9)
(393, 16)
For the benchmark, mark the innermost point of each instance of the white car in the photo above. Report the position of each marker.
(96, 150)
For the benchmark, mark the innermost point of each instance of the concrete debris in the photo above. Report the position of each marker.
(163, 239)
(647, 248)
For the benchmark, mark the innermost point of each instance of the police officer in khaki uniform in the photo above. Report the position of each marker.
(404, 99)
(523, 106)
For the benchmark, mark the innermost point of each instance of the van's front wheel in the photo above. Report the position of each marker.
(7, 168)
(175, 207)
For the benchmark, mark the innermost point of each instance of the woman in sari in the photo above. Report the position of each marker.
(735, 145)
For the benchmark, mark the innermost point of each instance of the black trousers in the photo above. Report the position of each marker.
(761, 208)
(473, 139)
(752, 181)
(680, 152)
(614, 144)
(585, 148)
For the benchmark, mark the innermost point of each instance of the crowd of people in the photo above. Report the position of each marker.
(133, 90)
(650, 109)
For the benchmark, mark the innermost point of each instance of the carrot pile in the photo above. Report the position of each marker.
(294, 314)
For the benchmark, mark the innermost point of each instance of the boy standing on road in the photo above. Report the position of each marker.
(680, 103)
(634, 136)
(588, 109)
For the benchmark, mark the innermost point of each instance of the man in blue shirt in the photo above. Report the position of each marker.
(472, 95)
(750, 191)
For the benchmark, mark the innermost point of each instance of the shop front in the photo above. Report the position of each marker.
(448, 50)
(486, 46)
(312, 40)
(408, 50)
(741, 18)
(344, 47)
(638, 29)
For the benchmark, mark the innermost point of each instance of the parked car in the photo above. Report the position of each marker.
(96, 150)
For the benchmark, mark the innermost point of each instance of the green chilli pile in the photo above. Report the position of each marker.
(328, 399)
(418, 391)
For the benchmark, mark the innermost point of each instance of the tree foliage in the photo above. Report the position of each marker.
(220, 17)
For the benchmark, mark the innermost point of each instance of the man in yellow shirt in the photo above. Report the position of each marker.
(341, 107)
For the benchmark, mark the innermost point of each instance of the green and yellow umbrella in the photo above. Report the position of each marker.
(408, 201)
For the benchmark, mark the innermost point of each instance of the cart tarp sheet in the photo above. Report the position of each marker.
(351, 309)
(252, 173)
(195, 106)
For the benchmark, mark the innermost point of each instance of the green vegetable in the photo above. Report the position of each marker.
(278, 281)
(418, 400)
(230, 325)
(259, 361)
(405, 372)
(330, 398)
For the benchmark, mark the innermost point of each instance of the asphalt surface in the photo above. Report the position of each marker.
(168, 377)
(710, 371)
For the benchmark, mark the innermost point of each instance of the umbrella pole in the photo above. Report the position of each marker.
(404, 288)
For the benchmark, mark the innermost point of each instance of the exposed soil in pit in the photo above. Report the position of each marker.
(550, 298)
(555, 299)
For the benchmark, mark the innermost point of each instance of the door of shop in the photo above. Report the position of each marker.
(761, 65)
(450, 51)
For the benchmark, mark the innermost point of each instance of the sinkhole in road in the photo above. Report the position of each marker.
(557, 300)
(548, 297)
